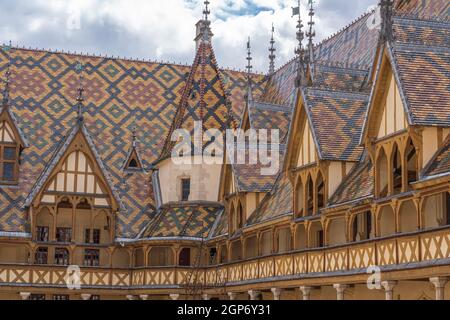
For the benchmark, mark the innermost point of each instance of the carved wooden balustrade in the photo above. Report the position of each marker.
(398, 250)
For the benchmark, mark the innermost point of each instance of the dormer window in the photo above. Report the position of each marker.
(185, 189)
(9, 154)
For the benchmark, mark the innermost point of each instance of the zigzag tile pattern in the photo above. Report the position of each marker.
(423, 9)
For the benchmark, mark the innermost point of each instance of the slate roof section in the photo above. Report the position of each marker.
(184, 220)
(276, 204)
(336, 120)
(440, 164)
(358, 184)
(270, 117)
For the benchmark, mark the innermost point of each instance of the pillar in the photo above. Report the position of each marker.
(143, 297)
(439, 285)
(86, 297)
(25, 295)
(232, 295)
(389, 289)
(306, 293)
(174, 297)
(276, 293)
(254, 295)
(340, 289)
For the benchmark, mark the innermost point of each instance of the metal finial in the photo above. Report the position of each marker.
(311, 33)
(80, 90)
(387, 13)
(249, 58)
(134, 132)
(206, 11)
(300, 34)
(6, 95)
(272, 50)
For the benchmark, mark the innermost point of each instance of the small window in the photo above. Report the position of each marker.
(95, 236)
(185, 257)
(60, 297)
(133, 164)
(42, 234)
(8, 154)
(91, 258)
(212, 256)
(95, 298)
(37, 297)
(185, 189)
(41, 256)
(62, 257)
(63, 235)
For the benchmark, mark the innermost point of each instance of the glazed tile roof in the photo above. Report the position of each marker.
(423, 45)
(440, 163)
(183, 220)
(221, 226)
(270, 117)
(423, 9)
(336, 120)
(331, 77)
(43, 91)
(276, 204)
(358, 184)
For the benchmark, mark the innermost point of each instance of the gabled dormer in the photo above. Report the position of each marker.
(133, 162)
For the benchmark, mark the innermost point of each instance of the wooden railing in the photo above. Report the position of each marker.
(396, 250)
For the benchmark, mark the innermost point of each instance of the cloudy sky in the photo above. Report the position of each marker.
(164, 29)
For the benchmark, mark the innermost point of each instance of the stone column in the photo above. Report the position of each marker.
(306, 292)
(206, 297)
(439, 284)
(389, 289)
(86, 297)
(232, 295)
(25, 295)
(276, 293)
(143, 297)
(254, 295)
(340, 289)
(174, 297)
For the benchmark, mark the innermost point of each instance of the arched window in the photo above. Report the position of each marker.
(240, 217)
(9, 154)
(309, 196)
(320, 191)
(299, 209)
(411, 161)
(232, 219)
(397, 170)
(184, 259)
(382, 174)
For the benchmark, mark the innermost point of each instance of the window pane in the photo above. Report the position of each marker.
(8, 171)
(9, 154)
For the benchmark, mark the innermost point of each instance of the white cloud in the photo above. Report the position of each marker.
(164, 29)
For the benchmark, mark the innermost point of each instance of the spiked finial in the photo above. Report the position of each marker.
(272, 50)
(387, 13)
(300, 34)
(6, 97)
(80, 90)
(311, 33)
(249, 69)
(206, 11)
(134, 132)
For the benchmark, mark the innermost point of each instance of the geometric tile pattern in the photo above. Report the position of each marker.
(358, 184)
(337, 121)
(183, 220)
(277, 203)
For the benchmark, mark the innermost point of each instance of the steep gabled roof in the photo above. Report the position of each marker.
(440, 163)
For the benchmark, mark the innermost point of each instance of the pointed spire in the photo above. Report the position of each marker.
(311, 33)
(387, 14)
(134, 133)
(272, 51)
(204, 33)
(80, 97)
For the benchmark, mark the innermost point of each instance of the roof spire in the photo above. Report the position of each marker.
(134, 132)
(6, 96)
(299, 51)
(206, 11)
(311, 33)
(249, 69)
(272, 50)
(387, 14)
(80, 90)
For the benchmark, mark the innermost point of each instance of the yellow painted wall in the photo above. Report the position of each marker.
(205, 179)
(394, 117)
(307, 153)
